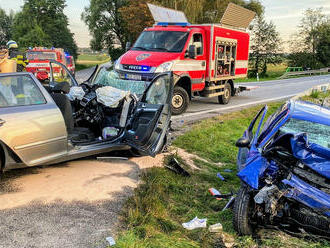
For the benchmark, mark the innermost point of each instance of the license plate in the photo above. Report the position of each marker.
(133, 77)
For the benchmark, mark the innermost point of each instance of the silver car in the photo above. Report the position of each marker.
(63, 120)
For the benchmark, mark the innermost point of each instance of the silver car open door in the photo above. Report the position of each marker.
(147, 130)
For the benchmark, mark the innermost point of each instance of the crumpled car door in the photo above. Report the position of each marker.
(151, 120)
(244, 153)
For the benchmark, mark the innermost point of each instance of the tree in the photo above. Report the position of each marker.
(5, 26)
(107, 26)
(43, 23)
(304, 51)
(266, 45)
(114, 22)
(323, 44)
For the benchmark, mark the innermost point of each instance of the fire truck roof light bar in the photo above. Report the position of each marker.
(183, 24)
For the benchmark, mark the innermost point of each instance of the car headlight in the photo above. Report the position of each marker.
(165, 67)
(117, 64)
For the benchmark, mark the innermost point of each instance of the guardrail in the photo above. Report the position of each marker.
(309, 72)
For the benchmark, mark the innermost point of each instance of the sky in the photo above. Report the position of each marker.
(285, 14)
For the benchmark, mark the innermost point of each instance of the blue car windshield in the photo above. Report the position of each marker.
(316, 133)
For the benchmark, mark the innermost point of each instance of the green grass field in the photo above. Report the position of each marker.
(164, 200)
(273, 73)
(85, 61)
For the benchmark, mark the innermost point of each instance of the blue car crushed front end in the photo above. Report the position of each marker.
(307, 181)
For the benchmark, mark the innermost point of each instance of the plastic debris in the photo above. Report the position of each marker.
(175, 166)
(195, 223)
(105, 159)
(215, 228)
(214, 191)
(111, 241)
(220, 176)
(230, 203)
(217, 194)
(227, 170)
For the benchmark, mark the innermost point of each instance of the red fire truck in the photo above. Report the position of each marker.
(70, 63)
(204, 58)
(39, 61)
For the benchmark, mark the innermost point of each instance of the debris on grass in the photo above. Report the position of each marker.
(175, 166)
(215, 228)
(195, 223)
(220, 176)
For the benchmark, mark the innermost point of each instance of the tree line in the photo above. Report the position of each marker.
(112, 23)
(39, 23)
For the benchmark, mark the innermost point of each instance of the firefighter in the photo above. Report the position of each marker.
(16, 55)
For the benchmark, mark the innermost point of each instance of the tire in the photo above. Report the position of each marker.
(243, 207)
(180, 100)
(225, 98)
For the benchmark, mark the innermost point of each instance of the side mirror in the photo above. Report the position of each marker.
(242, 142)
(128, 45)
(192, 51)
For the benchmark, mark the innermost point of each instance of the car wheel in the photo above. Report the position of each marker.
(180, 100)
(225, 98)
(243, 208)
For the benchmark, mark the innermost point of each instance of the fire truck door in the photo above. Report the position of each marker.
(197, 67)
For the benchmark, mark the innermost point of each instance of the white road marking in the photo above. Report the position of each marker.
(231, 107)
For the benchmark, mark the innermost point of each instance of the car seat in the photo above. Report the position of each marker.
(58, 93)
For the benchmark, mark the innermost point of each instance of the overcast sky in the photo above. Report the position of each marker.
(284, 13)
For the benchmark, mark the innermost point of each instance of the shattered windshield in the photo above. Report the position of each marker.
(108, 77)
(316, 133)
(161, 41)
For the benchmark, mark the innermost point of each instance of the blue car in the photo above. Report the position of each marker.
(284, 167)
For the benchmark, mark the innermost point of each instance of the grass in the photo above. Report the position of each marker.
(85, 61)
(273, 73)
(164, 200)
(317, 97)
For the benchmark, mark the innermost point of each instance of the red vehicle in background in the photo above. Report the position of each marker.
(39, 61)
(205, 58)
(70, 63)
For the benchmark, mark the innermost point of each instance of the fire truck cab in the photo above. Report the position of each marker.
(204, 58)
(39, 61)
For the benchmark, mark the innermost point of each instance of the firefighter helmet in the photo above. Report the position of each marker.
(12, 44)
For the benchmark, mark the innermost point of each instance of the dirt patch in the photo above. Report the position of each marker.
(74, 204)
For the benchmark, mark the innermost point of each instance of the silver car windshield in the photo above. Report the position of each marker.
(108, 77)
(317, 133)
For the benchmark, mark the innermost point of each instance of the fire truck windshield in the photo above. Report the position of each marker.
(161, 41)
(39, 55)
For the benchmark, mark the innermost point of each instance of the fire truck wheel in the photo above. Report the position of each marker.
(224, 99)
(180, 100)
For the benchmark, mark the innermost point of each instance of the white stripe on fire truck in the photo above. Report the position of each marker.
(189, 65)
(242, 64)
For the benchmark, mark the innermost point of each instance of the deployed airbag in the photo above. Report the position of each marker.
(110, 96)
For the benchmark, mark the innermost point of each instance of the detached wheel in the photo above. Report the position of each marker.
(243, 208)
(225, 98)
(180, 100)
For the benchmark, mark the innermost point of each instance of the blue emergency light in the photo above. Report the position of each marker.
(182, 24)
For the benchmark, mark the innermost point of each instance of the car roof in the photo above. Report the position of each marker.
(14, 74)
(309, 112)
